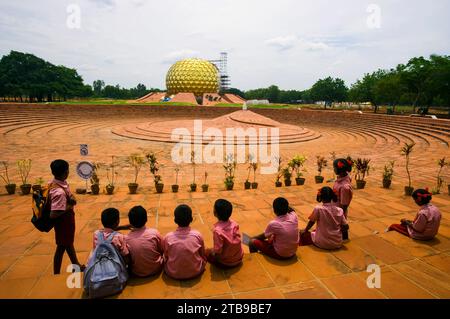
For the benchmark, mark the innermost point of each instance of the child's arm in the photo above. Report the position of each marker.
(309, 226)
(260, 236)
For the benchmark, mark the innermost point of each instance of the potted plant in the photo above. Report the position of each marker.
(205, 186)
(193, 184)
(154, 168)
(176, 186)
(254, 166)
(279, 172)
(136, 161)
(297, 163)
(287, 176)
(247, 183)
(321, 163)
(37, 186)
(439, 180)
(111, 175)
(362, 169)
(24, 167)
(406, 151)
(95, 181)
(230, 168)
(10, 187)
(388, 173)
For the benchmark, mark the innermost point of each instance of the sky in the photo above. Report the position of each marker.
(289, 43)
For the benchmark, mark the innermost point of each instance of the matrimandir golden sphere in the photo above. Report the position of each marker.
(192, 76)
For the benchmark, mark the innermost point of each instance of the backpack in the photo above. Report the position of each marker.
(106, 273)
(41, 206)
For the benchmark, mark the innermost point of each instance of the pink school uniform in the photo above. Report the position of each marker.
(329, 218)
(344, 190)
(227, 243)
(184, 253)
(145, 246)
(283, 232)
(65, 221)
(426, 224)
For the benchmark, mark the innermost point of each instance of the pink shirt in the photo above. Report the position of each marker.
(118, 241)
(329, 218)
(145, 246)
(283, 231)
(227, 243)
(184, 253)
(426, 224)
(344, 190)
(58, 195)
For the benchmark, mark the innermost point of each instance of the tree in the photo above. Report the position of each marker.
(363, 90)
(389, 89)
(329, 90)
(98, 86)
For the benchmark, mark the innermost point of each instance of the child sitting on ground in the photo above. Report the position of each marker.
(110, 221)
(280, 239)
(184, 249)
(331, 222)
(227, 251)
(144, 244)
(426, 224)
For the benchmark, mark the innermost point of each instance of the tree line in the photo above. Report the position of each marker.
(421, 82)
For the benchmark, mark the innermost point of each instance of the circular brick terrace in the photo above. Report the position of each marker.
(409, 268)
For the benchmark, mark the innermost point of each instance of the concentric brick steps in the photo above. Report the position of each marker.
(161, 131)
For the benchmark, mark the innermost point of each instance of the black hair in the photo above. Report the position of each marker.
(183, 215)
(423, 194)
(137, 216)
(223, 209)
(326, 195)
(342, 165)
(59, 167)
(110, 217)
(280, 206)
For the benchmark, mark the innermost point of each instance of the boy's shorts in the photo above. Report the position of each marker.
(268, 249)
(65, 229)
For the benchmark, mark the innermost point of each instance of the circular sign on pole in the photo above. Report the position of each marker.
(85, 170)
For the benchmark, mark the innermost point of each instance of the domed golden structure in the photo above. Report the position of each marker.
(192, 76)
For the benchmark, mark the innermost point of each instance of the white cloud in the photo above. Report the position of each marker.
(313, 45)
(175, 56)
(283, 43)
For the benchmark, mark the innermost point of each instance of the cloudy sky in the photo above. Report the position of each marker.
(290, 43)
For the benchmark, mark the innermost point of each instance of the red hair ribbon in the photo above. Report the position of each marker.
(319, 192)
(340, 164)
(350, 162)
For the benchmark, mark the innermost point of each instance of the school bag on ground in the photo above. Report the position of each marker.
(106, 273)
(41, 206)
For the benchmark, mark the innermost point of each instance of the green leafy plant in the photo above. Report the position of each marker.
(205, 176)
(230, 169)
(193, 163)
(39, 181)
(406, 151)
(254, 166)
(136, 161)
(111, 173)
(321, 164)
(297, 163)
(362, 168)
(249, 167)
(177, 171)
(24, 168)
(154, 167)
(442, 163)
(388, 171)
(279, 169)
(95, 180)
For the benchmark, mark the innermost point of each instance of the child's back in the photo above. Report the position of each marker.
(329, 218)
(145, 246)
(284, 231)
(184, 253)
(227, 243)
(427, 222)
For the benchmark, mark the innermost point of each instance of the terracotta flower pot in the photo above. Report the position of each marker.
(254, 185)
(175, 188)
(11, 189)
(409, 190)
(25, 189)
(80, 191)
(360, 184)
(205, 188)
(193, 187)
(132, 187)
(318, 179)
(36, 188)
(300, 181)
(229, 186)
(278, 184)
(109, 189)
(287, 182)
(95, 189)
(386, 183)
(159, 188)
(247, 185)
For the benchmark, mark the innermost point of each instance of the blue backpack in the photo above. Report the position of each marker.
(106, 273)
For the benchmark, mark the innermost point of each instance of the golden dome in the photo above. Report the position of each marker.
(192, 76)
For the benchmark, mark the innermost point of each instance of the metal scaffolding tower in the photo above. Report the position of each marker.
(222, 67)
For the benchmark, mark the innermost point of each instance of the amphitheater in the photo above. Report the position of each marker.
(410, 269)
